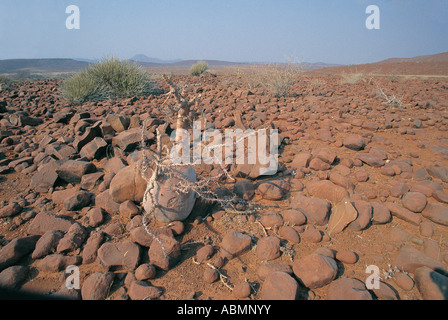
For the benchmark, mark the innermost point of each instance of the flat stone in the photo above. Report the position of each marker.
(15, 250)
(121, 254)
(279, 286)
(97, 286)
(437, 213)
(315, 270)
(409, 259)
(45, 221)
(431, 284)
(58, 262)
(348, 289)
(403, 213)
(315, 210)
(234, 244)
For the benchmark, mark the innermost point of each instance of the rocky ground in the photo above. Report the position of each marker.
(361, 182)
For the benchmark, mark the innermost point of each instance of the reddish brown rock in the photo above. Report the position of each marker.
(142, 290)
(437, 213)
(165, 252)
(15, 250)
(93, 243)
(315, 270)
(97, 286)
(45, 221)
(73, 239)
(10, 210)
(293, 217)
(355, 142)
(414, 201)
(409, 259)
(47, 243)
(234, 244)
(432, 285)
(244, 189)
(145, 271)
(348, 289)
(205, 253)
(279, 286)
(268, 248)
(58, 262)
(128, 184)
(126, 254)
(403, 213)
(325, 189)
(316, 210)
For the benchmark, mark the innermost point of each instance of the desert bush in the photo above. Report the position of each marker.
(352, 78)
(108, 79)
(279, 79)
(276, 79)
(5, 83)
(198, 68)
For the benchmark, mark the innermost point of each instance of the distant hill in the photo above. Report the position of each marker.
(143, 58)
(41, 65)
(428, 65)
(439, 57)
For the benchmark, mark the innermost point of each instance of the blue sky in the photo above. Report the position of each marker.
(234, 30)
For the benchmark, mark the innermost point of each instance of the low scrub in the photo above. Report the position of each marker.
(276, 79)
(108, 79)
(198, 68)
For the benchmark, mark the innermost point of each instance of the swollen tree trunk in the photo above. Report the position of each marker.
(169, 197)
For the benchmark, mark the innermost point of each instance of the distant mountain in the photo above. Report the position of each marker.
(428, 65)
(439, 57)
(41, 65)
(143, 58)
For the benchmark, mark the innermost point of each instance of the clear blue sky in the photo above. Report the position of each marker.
(234, 30)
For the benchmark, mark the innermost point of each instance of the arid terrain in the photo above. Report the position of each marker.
(362, 181)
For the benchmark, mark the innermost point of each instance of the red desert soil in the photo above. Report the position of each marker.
(406, 149)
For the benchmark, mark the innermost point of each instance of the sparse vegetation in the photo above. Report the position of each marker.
(5, 83)
(108, 79)
(352, 78)
(198, 68)
(276, 79)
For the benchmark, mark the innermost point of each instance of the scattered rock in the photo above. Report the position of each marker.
(273, 189)
(414, 201)
(13, 277)
(97, 286)
(45, 221)
(325, 189)
(437, 213)
(234, 244)
(355, 142)
(47, 243)
(268, 248)
(409, 259)
(165, 252)
(316, 210)
(57, 262)
(126, 254)
(403, 213)
(431, 284)
(128, 184)
(279, 286)
(348, 289)
(315, 270)
(142, 290)
(16, 249)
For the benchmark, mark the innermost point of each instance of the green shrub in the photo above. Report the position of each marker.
(108, 79)
(199, 68)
